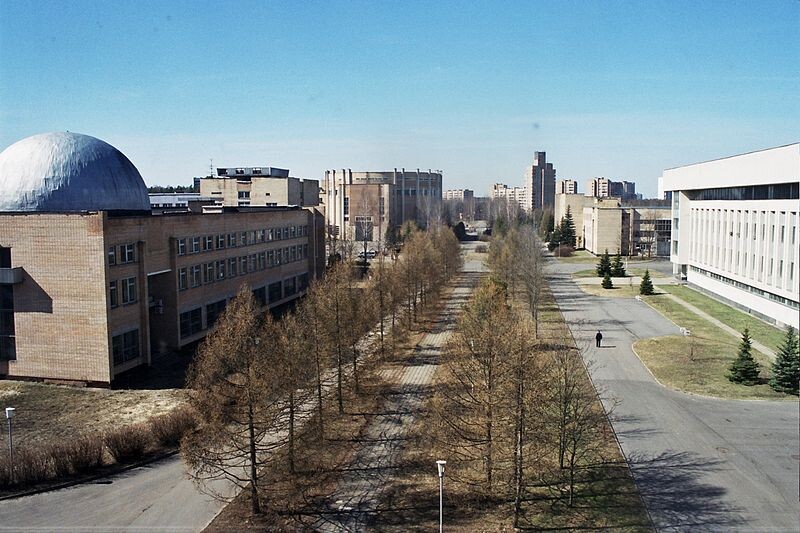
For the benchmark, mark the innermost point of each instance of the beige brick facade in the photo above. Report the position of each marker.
(97, 285)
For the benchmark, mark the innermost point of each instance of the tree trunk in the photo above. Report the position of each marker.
(291, 431)
(256, 507)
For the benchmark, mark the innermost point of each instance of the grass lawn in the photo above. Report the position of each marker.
(55, 412)
(592, 273)
(769, 336)
(622, 289)
(699, 363)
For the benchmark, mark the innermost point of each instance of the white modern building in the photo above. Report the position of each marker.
(734, 230)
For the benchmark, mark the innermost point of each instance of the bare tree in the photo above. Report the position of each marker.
(235, 396)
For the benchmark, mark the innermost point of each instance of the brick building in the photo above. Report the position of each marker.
(93, 284)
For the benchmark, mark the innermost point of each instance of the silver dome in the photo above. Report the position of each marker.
(65, 171)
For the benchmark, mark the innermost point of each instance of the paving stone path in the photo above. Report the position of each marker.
(356, 497)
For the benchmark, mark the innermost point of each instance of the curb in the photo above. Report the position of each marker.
(94, 477)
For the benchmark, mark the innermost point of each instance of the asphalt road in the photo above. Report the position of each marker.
(700, 463)
(155, 497)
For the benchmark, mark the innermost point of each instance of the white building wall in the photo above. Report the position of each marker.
(745, 251)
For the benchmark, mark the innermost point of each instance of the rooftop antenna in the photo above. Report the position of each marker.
(211, 168)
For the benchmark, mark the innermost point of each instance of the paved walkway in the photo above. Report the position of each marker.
(701, 464)
(355, 499)
(724, 327)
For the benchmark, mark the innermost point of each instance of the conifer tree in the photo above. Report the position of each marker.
(604, 266)
(567, 227)
(787, 365)
(617, 267)
(646, 287)
(607, 283)
(744, 369)
(555, 239)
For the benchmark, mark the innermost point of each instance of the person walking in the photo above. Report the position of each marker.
(598, 338)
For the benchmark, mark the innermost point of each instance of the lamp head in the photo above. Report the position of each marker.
(440, 467)
(10, 412)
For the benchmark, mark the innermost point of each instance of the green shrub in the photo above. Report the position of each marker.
(167, 429)
(607, 283)
(128, 443)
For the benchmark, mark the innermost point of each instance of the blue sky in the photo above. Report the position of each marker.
(616, 89)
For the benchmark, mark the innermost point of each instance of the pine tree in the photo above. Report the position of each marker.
(646, 287)
(787, 366)
(555, 239)
(744, 368)
(617, 268)
(604, 266)
(568, 229)
(607, 283)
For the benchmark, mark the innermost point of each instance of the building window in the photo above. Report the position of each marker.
(181, 246)
(113, 294)
(275, 291)
(221, 269)
(8, 342)
(208, 273)
(195, 276)
(302, 282)
(128, 290)
(243, 238)
(261, 261)
(195, 245)
(208, 243)
(183, 279)
(213, 312)
(112, 255)
(191, 322)
(232, 270)
(125, 347)
(346, 206)
(231, 240)
(260, 296)
(288, 287)
(243, 265)
(244, 195)
(260, 235)
(220, 242)
(127, 253)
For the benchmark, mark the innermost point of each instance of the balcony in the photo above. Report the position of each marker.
(11, 276)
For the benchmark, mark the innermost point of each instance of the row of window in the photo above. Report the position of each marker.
(749, 288)
(8, 341)
(125, 347)
(779, 191)
(122, 291)
(206, 273)
(121, 254)
(207, 243)
(191, 322)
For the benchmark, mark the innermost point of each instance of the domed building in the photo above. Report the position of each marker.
(93, 283)
(69, 172)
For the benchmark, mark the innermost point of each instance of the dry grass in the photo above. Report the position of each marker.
(699, 363)
(49, 413)
(621, 289)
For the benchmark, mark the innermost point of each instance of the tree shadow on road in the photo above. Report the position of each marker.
(677, 496)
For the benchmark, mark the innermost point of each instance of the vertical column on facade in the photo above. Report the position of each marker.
(144, 303)
(416, 200)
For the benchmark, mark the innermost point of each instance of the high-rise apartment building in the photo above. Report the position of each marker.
(259, 186)
(606, 188)
(540, 183)
(513, 195)
(458, 194)
(567, 187)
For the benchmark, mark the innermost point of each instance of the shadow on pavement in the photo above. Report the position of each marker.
(675, 495)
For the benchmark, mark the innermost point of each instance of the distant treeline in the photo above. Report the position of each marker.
(171, 189)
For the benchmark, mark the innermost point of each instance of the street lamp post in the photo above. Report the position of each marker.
(9, 416)
(440, 467)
